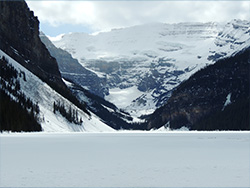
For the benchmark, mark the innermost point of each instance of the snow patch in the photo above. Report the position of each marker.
(228, 101)
(123, 97)
(56, 38)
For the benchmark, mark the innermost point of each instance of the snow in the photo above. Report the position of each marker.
(123, 97)
(143, 41)
(56, 38)
(125, 159)
(109, 109)
(40, 92)
(67, 82)
(228, 101)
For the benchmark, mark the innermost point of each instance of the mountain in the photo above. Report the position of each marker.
(214, 98)
(141, 65)
(198, 74)
(33, 94)
(83, 83)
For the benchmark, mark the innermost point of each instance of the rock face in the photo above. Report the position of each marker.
(19, 38)
(215, 98)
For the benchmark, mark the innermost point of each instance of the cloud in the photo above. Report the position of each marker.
(105, 15)
(63, 12)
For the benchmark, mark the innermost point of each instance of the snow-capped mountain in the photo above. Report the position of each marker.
(143, 64)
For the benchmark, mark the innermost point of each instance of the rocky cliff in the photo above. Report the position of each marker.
(19, 38)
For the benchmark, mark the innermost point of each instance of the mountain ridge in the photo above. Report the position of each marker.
(214, 98)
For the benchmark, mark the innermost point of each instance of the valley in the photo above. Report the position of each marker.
(154, 76)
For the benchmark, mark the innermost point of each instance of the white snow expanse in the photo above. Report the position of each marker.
(125, 159)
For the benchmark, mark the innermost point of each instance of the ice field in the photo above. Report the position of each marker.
(125, 159)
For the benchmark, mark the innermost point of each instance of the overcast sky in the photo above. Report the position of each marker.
(57, 17)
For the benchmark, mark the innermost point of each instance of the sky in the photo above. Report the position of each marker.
(59, 17)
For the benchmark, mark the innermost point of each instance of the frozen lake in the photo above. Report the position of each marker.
(175, 159)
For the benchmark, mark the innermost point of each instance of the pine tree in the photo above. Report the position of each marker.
(54, 107)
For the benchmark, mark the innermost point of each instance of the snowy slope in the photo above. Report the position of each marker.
(40, 92)
(142, 64)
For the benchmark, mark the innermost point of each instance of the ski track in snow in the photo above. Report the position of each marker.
(125, 159)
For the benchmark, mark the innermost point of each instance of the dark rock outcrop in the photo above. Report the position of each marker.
(19, 38)
(214, 98)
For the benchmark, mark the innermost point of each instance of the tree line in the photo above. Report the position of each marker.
(17, 112)
(71, 114)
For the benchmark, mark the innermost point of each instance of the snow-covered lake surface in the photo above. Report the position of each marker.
(124, 159)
